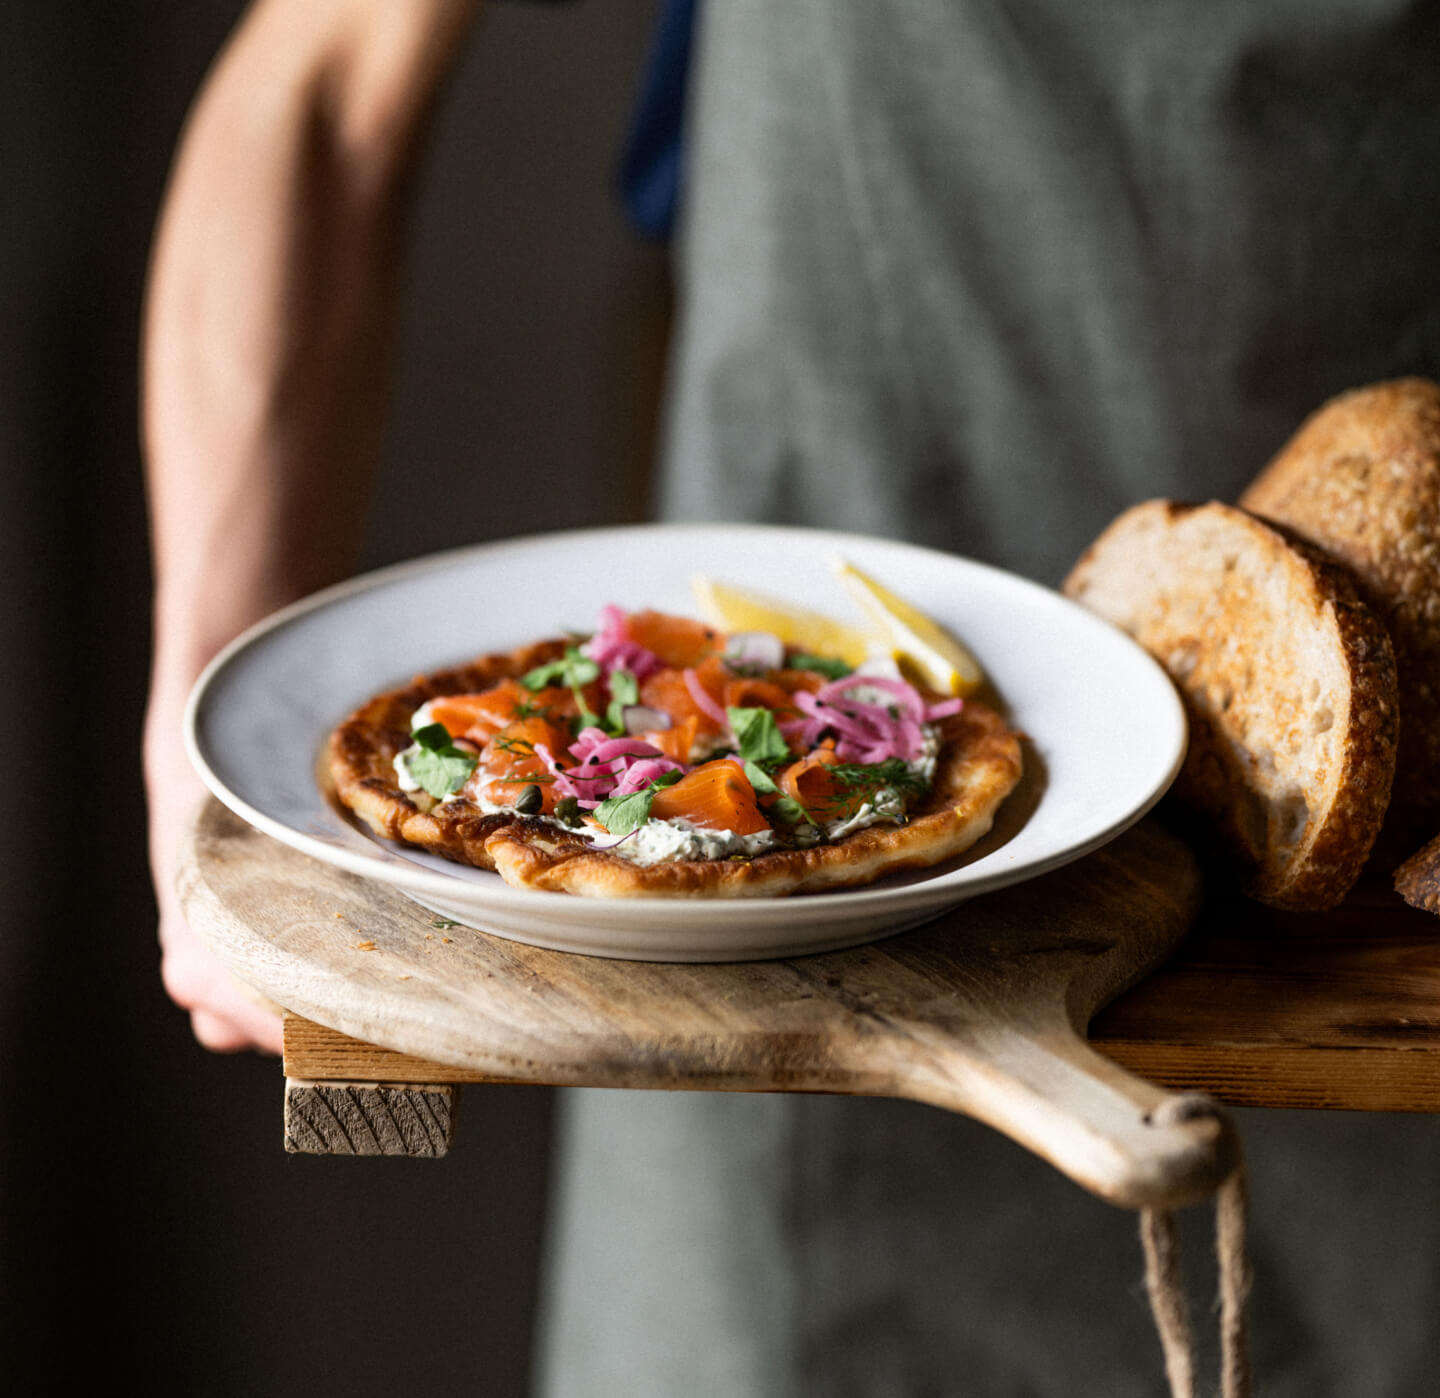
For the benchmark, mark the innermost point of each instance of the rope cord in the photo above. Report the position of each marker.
(1166, 1291)
(1235, 1277)
(1167, 1299)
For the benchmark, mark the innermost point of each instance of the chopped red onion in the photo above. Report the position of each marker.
(641, 718)
(754, 650)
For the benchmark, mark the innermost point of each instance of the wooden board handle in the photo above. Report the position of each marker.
(1122, 1138)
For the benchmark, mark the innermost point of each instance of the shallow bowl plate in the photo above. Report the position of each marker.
(1105, 730)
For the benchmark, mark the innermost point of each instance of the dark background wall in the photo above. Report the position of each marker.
(154, 1233)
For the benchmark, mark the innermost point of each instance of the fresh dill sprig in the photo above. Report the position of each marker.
(895, 773)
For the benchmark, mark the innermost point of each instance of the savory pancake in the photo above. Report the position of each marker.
(807, 817)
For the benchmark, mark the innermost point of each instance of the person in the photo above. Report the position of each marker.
(264, 366)
(977, 275)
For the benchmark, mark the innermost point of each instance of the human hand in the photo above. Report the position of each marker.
(225, 1015)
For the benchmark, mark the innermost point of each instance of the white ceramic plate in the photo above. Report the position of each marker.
(1106, 731)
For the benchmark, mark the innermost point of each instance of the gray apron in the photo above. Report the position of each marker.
(981, 275)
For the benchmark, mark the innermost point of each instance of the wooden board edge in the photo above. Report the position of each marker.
(416, 1120)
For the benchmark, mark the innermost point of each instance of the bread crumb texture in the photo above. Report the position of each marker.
(1288, 680)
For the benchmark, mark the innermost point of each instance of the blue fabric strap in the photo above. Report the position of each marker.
(651, 163)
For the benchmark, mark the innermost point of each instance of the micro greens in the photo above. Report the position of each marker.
(757, 737)
(624, 690)
(821, 664)
(621, 815)
(439, 766)
(573, 670)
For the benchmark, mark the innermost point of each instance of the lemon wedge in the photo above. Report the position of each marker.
(738, 609)
(928, 652)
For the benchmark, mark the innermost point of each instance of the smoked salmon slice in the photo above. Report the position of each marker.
(668, 691)
(479, 717)
(823, 795)
(509, 762)
(715, 796)
(676, 741)
(678, 641)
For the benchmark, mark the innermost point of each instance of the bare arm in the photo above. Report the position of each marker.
(268, 327)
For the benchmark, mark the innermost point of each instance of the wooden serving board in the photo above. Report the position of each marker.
(982, 1011)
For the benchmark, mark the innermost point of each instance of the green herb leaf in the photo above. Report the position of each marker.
(441, 772)
(757, 736)
(572, 669)
(785, 808)
(821, 664)
(624, 690)
(440, 767)
(622, 814)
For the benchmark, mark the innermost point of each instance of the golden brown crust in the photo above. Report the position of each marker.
(977, 767)
(1288, 681)
(364, 747)
(1417, 880)
(1361, 479)
(979, 763)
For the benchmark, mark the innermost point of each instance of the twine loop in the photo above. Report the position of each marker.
(1163, 1285)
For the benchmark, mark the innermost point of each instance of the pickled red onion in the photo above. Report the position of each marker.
(612, 649)
(704, 702)
(606, 766)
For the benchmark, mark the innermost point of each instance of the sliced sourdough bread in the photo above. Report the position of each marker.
(1361, 479)
(1288, 681)
(1417, 880)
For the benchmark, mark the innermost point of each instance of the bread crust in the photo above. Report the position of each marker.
(1288, 680)
(1361, 480)
(1417, 880)
(979, 762)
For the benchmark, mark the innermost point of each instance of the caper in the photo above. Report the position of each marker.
(568, 810)
(530, 800)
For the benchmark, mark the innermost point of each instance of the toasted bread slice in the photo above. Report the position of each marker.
(1417, 880)
(1361, 479)
(1288, 681)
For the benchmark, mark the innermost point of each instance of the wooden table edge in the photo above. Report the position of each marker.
(1268, 1075)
